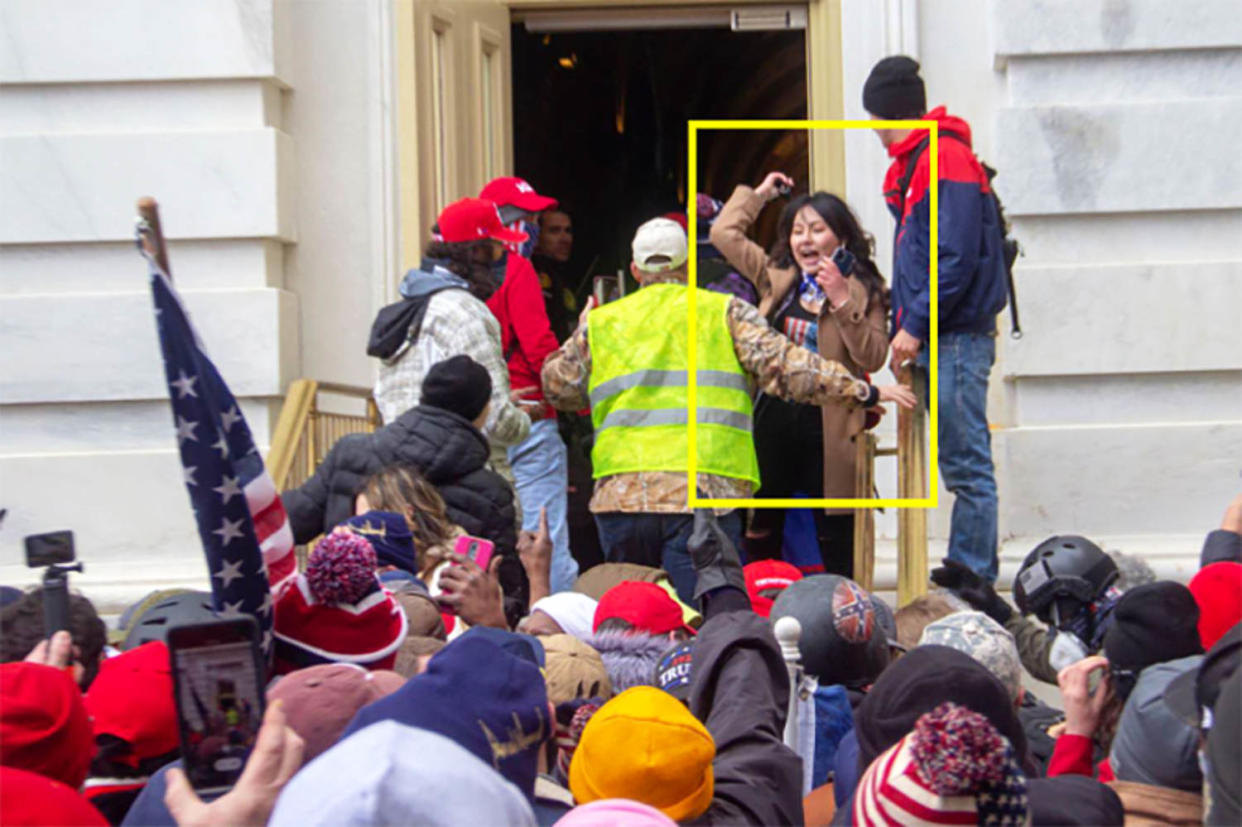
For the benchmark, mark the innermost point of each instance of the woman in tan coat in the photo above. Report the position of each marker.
(843, 317)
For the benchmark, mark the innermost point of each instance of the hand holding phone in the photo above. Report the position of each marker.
(472, 593)
(218, 676)
(277, 756)
(475, 549)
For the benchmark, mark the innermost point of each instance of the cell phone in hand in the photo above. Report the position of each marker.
(476, 549)
(605, 289)
(219, 679)
(844, 260)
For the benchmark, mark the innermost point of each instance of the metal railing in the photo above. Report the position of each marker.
(911, 453)
(305, 431)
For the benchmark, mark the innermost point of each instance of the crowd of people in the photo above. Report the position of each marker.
(412, 681)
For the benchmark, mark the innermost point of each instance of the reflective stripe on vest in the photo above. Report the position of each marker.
(638, 386)
(667, 379)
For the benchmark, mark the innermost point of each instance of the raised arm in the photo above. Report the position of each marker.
(736, 218)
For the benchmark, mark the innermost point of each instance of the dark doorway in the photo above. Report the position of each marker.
(600, 123)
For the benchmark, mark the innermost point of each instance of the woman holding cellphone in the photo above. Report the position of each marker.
(819, 286)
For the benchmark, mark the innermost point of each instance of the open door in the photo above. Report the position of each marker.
(454, 107)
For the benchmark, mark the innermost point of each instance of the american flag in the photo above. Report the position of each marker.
(241, 520)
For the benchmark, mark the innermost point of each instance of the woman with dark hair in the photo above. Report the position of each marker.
(442, 314)
(842, 316)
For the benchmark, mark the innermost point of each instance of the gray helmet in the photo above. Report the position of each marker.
(843, 640)
(152, 617)
(1065, 571)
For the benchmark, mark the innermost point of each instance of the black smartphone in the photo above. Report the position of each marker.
(50, 549)
(844, 260)
(219, 677)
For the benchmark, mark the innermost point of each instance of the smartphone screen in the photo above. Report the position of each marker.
(219, 680)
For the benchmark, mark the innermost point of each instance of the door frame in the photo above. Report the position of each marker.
(416, 159)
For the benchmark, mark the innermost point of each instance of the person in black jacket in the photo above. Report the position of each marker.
(441, 439)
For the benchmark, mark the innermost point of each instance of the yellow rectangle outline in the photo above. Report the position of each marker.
(933, 245)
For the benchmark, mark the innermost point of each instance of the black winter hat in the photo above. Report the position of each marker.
(921, 680)
(1152, 623)
(894, 89)
(458, 384)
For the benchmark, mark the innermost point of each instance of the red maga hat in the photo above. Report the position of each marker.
(515, 192)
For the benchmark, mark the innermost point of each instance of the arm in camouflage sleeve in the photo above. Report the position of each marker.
(1034, 643)
(566, 371)
(787, 370)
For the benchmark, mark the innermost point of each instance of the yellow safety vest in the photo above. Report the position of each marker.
(638, 387)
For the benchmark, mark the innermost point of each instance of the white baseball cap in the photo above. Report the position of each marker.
(660, 237)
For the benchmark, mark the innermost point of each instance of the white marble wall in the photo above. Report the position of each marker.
(264, 129)
(1119, 414)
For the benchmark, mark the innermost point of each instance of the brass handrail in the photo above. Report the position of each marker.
(305, 433)
(911, 454)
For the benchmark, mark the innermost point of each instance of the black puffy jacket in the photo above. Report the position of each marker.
(445, 448)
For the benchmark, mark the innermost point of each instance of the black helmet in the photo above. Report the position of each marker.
(1067, 571)
(843, 638)
(152, 617)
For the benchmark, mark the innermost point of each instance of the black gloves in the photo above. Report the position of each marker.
(973, 589)
(716, 561)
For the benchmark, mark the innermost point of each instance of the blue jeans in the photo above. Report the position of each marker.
(966, 446)
(541, 472)
(659, 541)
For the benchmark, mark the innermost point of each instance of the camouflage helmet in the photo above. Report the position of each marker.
(983, 639)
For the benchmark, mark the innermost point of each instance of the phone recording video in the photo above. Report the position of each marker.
(219, 679)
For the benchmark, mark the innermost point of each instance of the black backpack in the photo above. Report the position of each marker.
(1009, 245)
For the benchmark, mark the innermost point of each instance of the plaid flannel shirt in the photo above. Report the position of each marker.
(455, 323)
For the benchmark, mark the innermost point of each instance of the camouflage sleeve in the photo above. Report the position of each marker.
(1033, 642)
(787, 370)
(566, 371)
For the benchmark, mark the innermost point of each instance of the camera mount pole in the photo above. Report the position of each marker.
(56, 596)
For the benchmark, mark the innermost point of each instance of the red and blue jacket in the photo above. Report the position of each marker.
(971, 274)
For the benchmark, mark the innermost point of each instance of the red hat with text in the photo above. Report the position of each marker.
(765, 580)
(516, 193)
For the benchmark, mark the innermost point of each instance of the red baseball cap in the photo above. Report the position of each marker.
(646, 606)
(132, 698)
(762, 575)
(44, 726)
(473, 218)
(515, 192)
(1218, 591)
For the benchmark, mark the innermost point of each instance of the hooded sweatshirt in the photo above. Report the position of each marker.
(971, 262)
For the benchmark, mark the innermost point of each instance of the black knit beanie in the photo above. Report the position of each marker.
(894, 89)
(458, 384)
(1153, 623)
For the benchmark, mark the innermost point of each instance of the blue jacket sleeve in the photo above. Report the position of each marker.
(960, 227)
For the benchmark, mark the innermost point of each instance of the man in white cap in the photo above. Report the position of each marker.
(633, 375)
